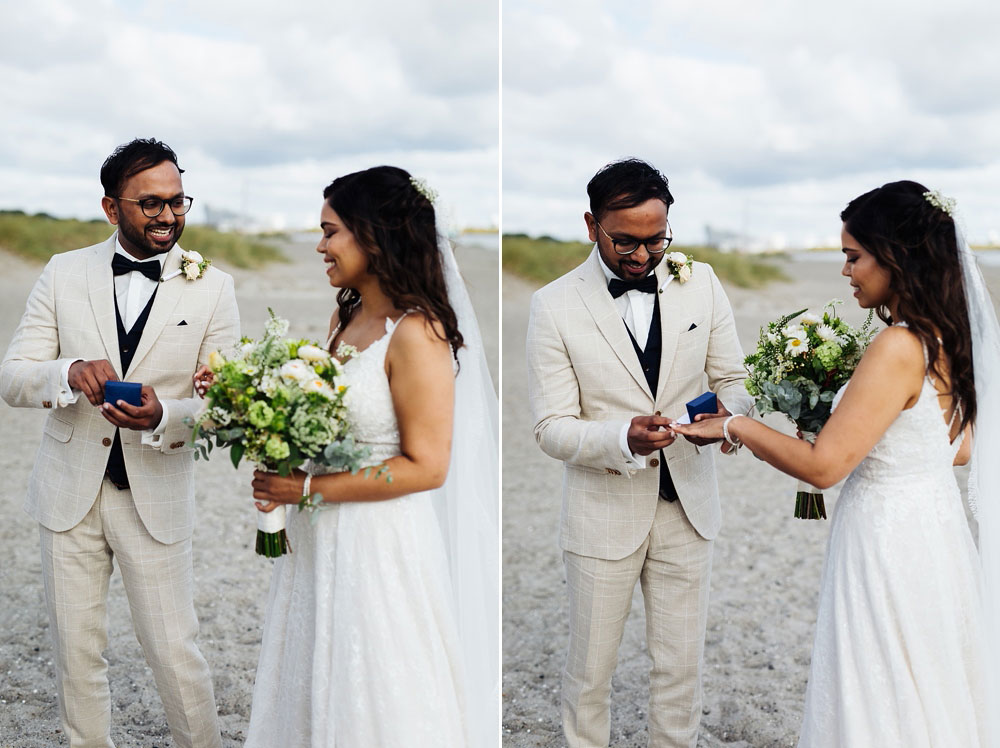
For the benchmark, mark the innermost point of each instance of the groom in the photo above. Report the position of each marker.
(115, 481)
(615, 349)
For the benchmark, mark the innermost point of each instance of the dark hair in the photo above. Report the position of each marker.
(131, 158)
(915, 241)
(625, 184)
(393, 224)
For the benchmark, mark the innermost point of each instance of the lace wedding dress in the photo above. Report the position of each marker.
(360, 644)
(899, 653)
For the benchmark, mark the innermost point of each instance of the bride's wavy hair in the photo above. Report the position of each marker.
(393, 223)
(915, 241)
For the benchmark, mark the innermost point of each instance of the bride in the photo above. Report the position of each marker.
(382, 625)
(900, 655)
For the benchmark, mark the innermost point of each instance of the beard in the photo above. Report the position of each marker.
(140, 239)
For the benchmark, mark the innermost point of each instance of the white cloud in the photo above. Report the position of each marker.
(259, 99)
(760, 114)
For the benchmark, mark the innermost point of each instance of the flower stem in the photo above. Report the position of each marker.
(272, 544)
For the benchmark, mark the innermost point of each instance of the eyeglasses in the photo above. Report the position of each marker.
(627, 246)
(153, 206)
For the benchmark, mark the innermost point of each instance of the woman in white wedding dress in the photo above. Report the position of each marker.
(369, 640)
(900, 655)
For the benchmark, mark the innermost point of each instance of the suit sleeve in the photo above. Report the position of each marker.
(554, 396)
(31, 375)
(724, 361)
(223, 331)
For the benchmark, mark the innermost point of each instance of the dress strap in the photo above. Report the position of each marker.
(391, 325)
(333, 334)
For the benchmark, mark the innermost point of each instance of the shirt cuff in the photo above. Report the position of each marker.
(632, 460)
(67, 395)
(154, 437)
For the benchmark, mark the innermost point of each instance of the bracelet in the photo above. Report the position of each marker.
(306, 502)
(725, 432)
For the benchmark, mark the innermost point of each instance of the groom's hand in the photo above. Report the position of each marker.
(142, 418)
(89, 377)
(645, 436)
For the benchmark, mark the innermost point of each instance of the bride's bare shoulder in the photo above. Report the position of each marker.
(895, 355)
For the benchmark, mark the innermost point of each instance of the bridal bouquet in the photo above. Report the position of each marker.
(277, 402)
(797, 369)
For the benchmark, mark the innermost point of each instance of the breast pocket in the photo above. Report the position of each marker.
(694, 335)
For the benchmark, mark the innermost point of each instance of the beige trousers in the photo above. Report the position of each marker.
(673, 565)
(77, 566)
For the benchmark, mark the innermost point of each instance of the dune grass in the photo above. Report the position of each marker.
(543, 259)
(38, 237)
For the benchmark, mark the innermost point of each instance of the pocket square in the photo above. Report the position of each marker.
(182, 322)
(693, 325)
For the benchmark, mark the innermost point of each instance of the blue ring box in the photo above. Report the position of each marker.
(130, 392)
(704, 403)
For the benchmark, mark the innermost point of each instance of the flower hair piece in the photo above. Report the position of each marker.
(935, 198)
(424, 189)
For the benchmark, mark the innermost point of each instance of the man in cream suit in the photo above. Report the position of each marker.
(615, 349)
(115, 481)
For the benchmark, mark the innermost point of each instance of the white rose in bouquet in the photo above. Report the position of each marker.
(296, 370)
(313, 354)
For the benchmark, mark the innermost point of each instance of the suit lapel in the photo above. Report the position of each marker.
(101, 289)
(167, 296)
(594, 292)
(670, 314)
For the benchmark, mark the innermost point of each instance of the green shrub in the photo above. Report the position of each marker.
(40, 236)
(545, 259)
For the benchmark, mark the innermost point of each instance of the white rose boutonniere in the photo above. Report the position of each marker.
(681, 266)
(193, 265)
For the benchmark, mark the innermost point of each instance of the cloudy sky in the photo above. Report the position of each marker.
(766, 117)
(265, 103)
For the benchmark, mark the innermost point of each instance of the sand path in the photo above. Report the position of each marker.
(765, 575)
(230, 580)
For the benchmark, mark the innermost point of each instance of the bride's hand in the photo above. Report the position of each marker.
(270, 490)
(705, 429)
(203, 379)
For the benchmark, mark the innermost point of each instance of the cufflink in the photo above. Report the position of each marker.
(46, 403)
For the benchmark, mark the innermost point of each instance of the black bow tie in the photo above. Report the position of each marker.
(121, 265)
(618, 287)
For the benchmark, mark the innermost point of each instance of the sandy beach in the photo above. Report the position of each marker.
(765, 575)
(230, 580)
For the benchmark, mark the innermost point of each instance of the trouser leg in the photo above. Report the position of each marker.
(76, 568)
(675, 587)
(600, 596)
(158, 581)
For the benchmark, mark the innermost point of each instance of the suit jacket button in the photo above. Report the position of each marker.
(657, 413)
(46, 403)
(106, 442)
(176, 445)
(654, 462)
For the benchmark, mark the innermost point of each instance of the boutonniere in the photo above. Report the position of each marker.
(680, 265)
(193, 266)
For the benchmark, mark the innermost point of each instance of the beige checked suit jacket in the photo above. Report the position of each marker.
(70, 315)
(585, 383)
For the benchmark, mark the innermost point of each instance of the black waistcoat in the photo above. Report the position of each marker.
(127, 343)
(649, 359)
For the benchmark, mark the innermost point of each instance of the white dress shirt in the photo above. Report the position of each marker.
(132, 292)
(636, 308)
